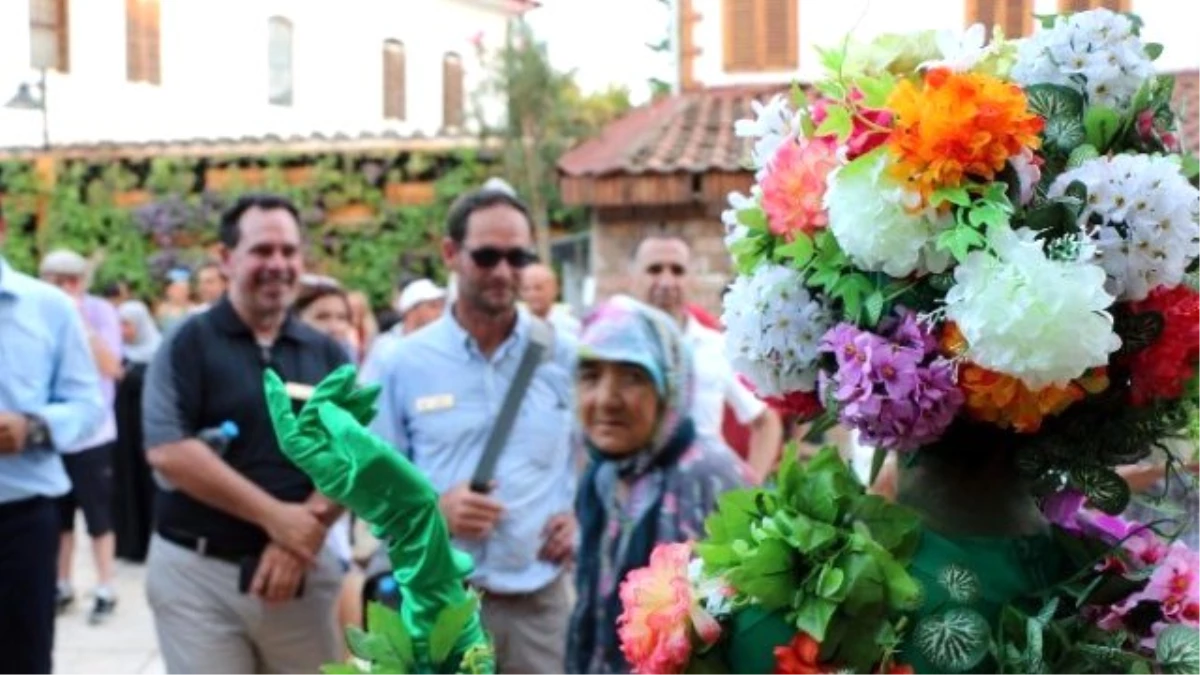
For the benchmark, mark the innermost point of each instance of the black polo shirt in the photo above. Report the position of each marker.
(211, 370)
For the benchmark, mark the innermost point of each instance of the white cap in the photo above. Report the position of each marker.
(421, 290)
(64, 262)
(499, 185)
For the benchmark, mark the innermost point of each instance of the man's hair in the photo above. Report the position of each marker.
(210, 265)
(659, 235)
(477, 200)
(231, 219)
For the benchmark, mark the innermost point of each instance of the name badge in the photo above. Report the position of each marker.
(298, 391)
(432, 403)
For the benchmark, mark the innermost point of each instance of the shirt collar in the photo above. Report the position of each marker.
(12, 282)
(460, 336)
(226, 319)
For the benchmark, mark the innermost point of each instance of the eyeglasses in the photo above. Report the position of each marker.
(674, 268)
(488, 257)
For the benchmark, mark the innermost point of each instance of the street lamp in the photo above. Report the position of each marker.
(25, 99)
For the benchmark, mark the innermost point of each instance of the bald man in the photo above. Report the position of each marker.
(539, 291)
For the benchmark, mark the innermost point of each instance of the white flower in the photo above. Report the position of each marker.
(774, 123)
(1141, 213)
(961, 50)
(713, 593)
(735, 231)
(870, 216)
(1042, 321)
(1095, 53)
(773, 330)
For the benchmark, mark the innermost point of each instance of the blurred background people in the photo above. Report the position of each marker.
(133, 509)
(210, 285)
(176, 303)
(539, 292)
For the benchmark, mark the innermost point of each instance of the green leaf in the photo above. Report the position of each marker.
(447, 628)
(959, 241)
(893, 527)
(1064, 134)
(830, 582)
(1189, 166)
(837, 122)
(1178, 649)
(1101, 125)
(753, 218)
(954, 640)
(1104, 489)
(874, 307)
(961, 584)
(850, 289)
(369, 646)
(988, 215)
(767, 574)
(954, 195)
(1082, 154)
(876, 90)
(1153, 50)
(799, 98)
(832, 59)
(814, 615)
(1054, 100)
(1046, 20)
(385, 622)
(800, 251)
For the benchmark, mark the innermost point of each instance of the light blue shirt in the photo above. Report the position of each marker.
(440, 397)
(46, 369)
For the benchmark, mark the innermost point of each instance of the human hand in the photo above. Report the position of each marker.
(296, 528)
(469, 514)
(14, 428)
(559, 536)
(278, 575)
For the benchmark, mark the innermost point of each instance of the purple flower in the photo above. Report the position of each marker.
(1062, 507)
(894, 390)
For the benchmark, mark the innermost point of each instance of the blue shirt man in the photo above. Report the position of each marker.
(442, 391)
(49, 401)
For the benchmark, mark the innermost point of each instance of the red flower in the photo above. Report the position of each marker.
(799, 656)
(1161, 369)
(803, 404)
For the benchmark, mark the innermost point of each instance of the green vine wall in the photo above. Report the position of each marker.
(178, 225)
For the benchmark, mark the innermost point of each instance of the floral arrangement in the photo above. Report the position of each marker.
(386, 646)
(955, 231)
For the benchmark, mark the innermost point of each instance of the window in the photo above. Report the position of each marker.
(452, 92)
(761, 35)
(1067, 6)
(48, 35)
(1014, 17)
(279, 61)
(142, 41)
(393, 80)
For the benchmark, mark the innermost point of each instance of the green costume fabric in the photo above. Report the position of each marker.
(965, 582)
(329, 442)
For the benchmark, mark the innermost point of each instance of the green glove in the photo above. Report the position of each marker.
(328, 441)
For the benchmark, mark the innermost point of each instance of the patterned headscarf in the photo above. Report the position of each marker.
(625, 330)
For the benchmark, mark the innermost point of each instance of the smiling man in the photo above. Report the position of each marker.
(443, 388)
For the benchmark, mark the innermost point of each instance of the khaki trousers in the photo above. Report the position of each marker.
(529, 630)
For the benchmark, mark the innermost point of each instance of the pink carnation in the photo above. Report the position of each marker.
(661, 613)
(794, 186)
(863, 138)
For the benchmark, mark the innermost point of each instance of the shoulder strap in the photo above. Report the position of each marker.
(539, 350)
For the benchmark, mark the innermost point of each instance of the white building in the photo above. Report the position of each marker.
(147, 70)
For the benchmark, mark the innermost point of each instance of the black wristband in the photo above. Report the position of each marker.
(37, 434)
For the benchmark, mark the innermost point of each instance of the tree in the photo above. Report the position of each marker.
(545, 114)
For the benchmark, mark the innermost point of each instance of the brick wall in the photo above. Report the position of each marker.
(615, 233)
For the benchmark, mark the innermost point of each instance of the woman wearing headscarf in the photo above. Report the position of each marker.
(650, 478)
(134, 502)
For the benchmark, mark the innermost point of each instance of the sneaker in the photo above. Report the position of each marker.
(102, 610)
(63, 598)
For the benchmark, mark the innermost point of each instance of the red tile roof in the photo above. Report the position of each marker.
(690, 132)
(693, 132)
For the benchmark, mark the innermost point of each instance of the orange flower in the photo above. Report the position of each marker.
(958, 125)
(799, 656)
(1004, 400)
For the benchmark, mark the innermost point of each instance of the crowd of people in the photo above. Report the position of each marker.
(153, 422)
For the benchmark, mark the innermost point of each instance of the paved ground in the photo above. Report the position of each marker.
(125, 644)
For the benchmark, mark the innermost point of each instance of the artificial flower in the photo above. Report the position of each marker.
(1174, 587)
(961, 50)
(879, 223)
(893, 388)
(773, 330)
(794, 186)
(735, 231)
(1096, 53)
(958, 127)
(868, 129)
(1004, 400)
(1149, 226)
(1028, 167)
(1022, 314)
(774, 123)
(800, 656)
(660, 615)
(1163, 368)
(895, 53)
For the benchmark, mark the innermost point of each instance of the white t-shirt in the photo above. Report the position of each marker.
(716, 383)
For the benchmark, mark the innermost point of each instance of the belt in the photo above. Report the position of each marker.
(22, 506)
(206, 547)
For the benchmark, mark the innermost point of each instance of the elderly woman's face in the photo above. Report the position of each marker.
(618, 406)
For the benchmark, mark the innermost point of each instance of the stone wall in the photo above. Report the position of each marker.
(616, 232)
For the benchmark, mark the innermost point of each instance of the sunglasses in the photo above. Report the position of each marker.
(658, 268)
(488, 257)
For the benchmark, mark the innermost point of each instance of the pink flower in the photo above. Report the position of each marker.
(661, 614)
(794, 186)
(864, 137)
(1174, 586)
(1029, 171)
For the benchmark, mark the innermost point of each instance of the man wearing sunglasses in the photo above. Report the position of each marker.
(443, 388)
(661, 272)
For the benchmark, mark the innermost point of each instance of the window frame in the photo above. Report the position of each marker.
(143, 41)
(763, 61)
(395, 80)
(60, 30)
(287, 38)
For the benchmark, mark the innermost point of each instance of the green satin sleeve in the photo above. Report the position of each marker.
(329, 441)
